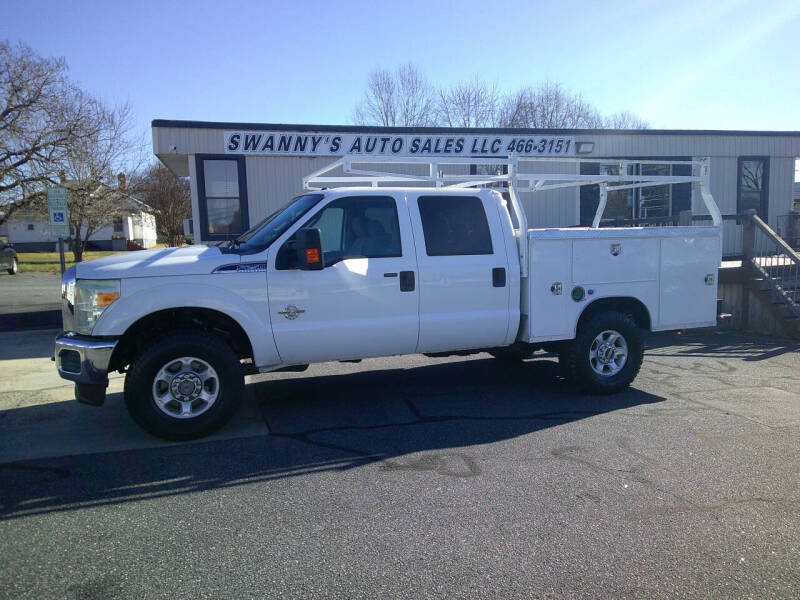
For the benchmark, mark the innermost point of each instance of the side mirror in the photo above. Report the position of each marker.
(309, 249)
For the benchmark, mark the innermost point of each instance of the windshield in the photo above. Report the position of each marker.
(272, 227)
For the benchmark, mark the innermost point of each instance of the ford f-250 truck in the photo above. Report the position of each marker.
(353, 272)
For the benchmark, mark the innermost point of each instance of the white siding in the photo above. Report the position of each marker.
(134, 226)
(272, 182)
(18, 232)
(551, 208)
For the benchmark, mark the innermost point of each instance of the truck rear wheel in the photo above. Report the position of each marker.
(606, 355)
(184, 386)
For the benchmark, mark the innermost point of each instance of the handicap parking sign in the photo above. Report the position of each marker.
(57, 207)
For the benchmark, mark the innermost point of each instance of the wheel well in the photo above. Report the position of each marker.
(164, 322)
(632, 307)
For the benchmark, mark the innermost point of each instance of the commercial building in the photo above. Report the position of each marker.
(242, 172)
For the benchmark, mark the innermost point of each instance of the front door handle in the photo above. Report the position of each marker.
(499, 277)
(407, 281)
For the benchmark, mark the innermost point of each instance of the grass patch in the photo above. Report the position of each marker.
(48, 262)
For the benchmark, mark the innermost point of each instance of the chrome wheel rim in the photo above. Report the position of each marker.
(185, 387)
(608, 353)
(14, 266)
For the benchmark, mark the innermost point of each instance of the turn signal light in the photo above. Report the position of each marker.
(106, 298)
(312, 255)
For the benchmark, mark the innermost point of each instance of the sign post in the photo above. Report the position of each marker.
(58, 218)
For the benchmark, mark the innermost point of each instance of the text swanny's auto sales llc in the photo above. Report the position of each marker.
(339, 144)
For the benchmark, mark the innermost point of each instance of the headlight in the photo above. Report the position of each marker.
(68, 286)
(92, 297)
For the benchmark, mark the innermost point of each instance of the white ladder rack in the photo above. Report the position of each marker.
(515, 181)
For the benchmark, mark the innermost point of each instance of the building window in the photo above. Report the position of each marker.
(222, 195)
(30, 227)
(655, 201)
(117, 224)
(638, 203)
(454, 225)
(753, 188)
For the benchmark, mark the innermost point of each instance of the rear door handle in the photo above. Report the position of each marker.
(407, 281)
(499, 277)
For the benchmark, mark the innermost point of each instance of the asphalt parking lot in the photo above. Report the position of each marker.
(413, 477)
(30, 300)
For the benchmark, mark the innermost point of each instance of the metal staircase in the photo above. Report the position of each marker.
(775, 267)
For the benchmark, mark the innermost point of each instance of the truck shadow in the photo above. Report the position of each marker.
(719, 343)
(423, 419)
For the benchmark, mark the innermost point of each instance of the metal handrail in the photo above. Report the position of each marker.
(779, 242)
(773, 259)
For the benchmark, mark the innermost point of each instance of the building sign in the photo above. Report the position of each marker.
(288, 143)
(57, 210)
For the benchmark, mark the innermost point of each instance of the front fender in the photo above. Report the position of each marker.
(247, 305)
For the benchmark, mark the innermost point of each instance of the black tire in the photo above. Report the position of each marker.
(14, 269)
(575, 357)
(139, 382)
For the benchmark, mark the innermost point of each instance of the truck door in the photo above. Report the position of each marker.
(365, 301)
(463, 271)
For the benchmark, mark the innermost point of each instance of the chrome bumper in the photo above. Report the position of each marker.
(90, 362)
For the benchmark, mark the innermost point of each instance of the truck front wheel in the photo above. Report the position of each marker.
(184, 386)
(606, 355)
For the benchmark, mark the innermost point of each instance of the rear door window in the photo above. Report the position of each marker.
(454, 225)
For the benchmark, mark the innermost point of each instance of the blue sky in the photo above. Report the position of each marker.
(712, 65)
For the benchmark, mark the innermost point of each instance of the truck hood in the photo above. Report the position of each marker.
(165, 262)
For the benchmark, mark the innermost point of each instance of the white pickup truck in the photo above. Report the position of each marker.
(355, 272)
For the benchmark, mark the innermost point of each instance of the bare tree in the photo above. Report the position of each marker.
(472, 103)
(401, 98)
(41, 115)
(547, 106)
(551, 106)
(404, 97)
(624, 120)
(415, 97)
(90, 167)
(169, 196)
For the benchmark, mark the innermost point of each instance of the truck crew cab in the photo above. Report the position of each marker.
(354, 272)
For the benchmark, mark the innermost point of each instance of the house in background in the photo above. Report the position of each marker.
(29, 231)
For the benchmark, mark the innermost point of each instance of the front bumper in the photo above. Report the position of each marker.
(83, 359)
